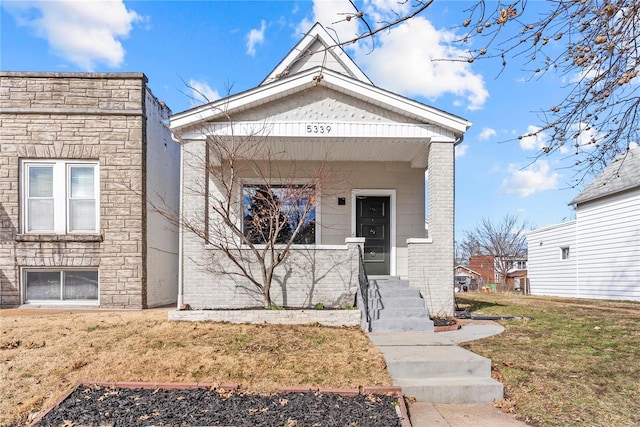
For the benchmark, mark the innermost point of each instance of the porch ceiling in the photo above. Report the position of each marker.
(414, 151)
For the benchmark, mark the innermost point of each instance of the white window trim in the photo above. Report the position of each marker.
(275, 183)
(391, 193)
(82, 302)
(61, 175)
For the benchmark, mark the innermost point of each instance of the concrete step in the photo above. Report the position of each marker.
(435, 362)
(409, 313)
(401, 324)
(402, 302)
(451, 390)
(405, 292)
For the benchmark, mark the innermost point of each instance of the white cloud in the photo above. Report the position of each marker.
(410, 61)
(461, 150)
(413, 58)
(486, 134)
(255, 37)
(530, 142)
(328, 13)
(201, 93)
(82, 32)
(536, 178)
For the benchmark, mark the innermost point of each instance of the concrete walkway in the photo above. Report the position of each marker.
(424, 413)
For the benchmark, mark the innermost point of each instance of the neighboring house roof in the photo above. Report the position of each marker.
(621, 174)
(460, 266)
(317, 47)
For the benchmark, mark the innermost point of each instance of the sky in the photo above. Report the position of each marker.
(224, 47)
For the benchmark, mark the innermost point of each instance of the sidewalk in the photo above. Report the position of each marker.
(423, 414)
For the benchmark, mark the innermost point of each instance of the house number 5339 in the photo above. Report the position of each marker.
(318, 128)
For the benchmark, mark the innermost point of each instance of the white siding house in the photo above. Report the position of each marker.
(597, 255)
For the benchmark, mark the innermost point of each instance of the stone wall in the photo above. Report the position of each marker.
(84, 117)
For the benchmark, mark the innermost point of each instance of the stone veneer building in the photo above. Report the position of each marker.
(83, 158)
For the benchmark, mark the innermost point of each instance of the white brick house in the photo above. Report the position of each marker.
(81, 157)
(318, 108)
(597, 255)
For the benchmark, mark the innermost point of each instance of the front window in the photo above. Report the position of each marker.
(60, 196)
(564, 253)
(279, 213)
(60, 285)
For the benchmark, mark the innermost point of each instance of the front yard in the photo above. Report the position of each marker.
(576, 363)
(43, 355)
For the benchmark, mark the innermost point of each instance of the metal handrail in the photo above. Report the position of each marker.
(364, 284)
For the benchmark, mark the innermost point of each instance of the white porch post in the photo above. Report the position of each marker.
(431, 260)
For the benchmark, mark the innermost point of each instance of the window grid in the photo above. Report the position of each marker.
(60, 196)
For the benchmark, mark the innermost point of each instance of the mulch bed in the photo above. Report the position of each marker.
(95, 405)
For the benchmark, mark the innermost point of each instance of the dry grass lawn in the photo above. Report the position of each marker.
(576, 364)
(43, 355)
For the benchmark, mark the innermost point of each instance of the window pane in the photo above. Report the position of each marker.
(42, 285)
(81, 182)
(40, 181)
(285, 208)
(82, 215)
(40, 217)
(80, 285)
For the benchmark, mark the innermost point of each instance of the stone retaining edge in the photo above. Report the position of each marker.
(282, 317)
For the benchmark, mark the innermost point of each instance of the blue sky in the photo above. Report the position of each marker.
(222, 46)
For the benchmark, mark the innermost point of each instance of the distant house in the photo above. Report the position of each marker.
(466, 279)
(81, 155)
(598, 254)
(485, 266)
(488, 266)
(317, 107)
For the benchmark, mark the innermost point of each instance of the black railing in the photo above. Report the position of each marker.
(364, 285)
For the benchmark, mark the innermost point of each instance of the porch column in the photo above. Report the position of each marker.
(431, 260)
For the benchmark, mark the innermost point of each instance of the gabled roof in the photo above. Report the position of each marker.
(464, 267)
(620, 175)
(308, 79)
(317, 47)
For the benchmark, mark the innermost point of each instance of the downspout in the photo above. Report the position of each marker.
(180, 302)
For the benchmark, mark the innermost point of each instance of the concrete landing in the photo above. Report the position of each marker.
(423, 414)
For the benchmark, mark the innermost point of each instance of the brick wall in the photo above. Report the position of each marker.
(431, 260)
(308, 276)
(76, 116)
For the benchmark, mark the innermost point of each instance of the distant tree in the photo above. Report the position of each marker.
(592, 43)
(505, 241)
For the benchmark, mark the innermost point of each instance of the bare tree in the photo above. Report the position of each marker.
(253, 225)
(594, 44)
(505, 241)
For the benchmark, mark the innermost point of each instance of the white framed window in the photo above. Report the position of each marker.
(281, 209)
(564, 252)
(60, 196)
(60, 285)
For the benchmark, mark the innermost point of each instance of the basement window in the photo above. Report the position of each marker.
(48, 285)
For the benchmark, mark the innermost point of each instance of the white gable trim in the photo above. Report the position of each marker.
(319, 33)
(306, 80)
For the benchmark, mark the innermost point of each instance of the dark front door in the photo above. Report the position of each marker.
(373, 223)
